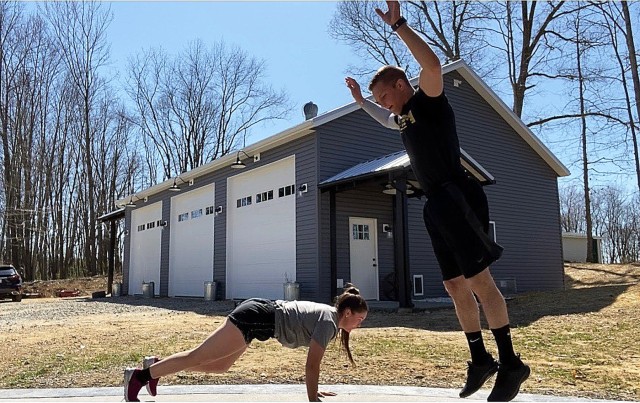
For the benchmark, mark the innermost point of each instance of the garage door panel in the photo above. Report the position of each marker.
(261, 236)
(144, 263)
(191, 242)
(274, 289)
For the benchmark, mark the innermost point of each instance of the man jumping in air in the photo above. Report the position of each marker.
(456, 213)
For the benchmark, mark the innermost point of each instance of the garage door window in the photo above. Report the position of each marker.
(141, 227)
(245, 201)
(286, 191)
(264, 196)
(183, 217)
(196, 213)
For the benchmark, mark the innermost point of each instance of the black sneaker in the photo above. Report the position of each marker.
(477, 375)
(508, 382)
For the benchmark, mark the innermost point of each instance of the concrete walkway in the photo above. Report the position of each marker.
(264, 393)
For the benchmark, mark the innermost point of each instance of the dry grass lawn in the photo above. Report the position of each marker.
(582, 341)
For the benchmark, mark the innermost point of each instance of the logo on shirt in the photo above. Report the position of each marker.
(406, 120)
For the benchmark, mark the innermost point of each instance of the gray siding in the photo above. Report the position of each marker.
(524, 202)
(343, 143)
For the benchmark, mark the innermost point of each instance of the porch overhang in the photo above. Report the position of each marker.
(397, 164)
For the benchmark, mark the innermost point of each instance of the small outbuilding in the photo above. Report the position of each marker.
(574, 247)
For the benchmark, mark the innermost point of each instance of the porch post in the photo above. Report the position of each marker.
(334, 250)
(401, 243)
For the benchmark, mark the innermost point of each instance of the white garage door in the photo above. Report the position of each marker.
(191, 242)
(261, 230)
(144, 260)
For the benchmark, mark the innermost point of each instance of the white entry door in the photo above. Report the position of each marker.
(363, 245)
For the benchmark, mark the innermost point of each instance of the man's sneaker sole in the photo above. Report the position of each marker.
(510, 397)
(485, 377)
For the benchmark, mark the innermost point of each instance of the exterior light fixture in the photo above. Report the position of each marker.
(239, 164)
(302, 189)
(131, 203)
(410, 189)
(175, 187)
(389, 189)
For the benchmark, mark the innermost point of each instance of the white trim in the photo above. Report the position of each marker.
(495, 236)
(471, 169)
(578, 235)
(421, 277)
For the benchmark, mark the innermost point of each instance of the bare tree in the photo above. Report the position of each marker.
(572, 211)
(617, 21)
(451, 28)
(192, 108)
(621, 226)
(80, 33)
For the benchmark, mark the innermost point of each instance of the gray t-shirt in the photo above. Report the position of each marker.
(299, 322)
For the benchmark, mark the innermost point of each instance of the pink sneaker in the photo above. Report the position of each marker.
(131, 385)
(152, 386)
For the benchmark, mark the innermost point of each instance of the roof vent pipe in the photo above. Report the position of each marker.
(310, 110)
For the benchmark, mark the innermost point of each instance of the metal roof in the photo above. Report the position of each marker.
(400, 160)
(390, 162)
(113, 215)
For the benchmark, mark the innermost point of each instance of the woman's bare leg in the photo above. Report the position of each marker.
(225, 341)
(218, 366)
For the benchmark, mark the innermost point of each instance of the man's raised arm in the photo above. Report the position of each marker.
(431, 73)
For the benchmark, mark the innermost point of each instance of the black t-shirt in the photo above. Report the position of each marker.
(428, 129)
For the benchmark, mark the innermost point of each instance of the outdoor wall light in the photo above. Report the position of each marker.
(126, 232)
(131, 203)
(239, 164)
(218, 210)
(389, 189)
(175, 187)
(386, 229)
(302, 189)
(163, 223)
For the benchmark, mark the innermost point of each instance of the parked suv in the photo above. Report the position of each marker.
(10, 283)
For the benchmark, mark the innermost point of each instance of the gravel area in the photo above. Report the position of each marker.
(62, 310)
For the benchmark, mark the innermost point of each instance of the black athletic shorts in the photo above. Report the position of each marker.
(457, 219)
(256, 319)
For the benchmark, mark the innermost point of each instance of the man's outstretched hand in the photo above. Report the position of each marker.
(354, 87)
(393, 13)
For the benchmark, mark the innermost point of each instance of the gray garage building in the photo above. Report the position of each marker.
(333, 199)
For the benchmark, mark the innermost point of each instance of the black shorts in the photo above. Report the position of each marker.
(256, 319)
(457, 219)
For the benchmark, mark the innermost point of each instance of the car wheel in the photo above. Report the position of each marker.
(16, 298)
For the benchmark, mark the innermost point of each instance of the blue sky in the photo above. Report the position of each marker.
(292, 37)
